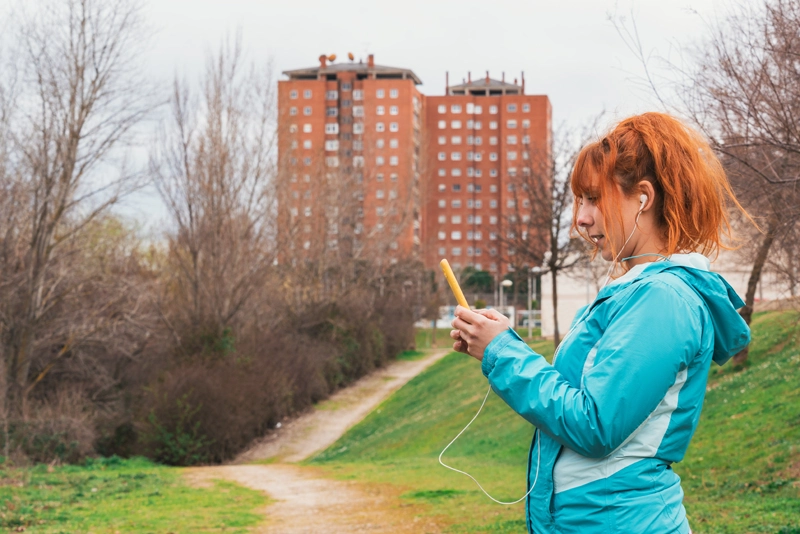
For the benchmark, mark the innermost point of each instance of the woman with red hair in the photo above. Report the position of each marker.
(622, 398)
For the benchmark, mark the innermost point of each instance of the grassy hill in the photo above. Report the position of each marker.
(741, 473)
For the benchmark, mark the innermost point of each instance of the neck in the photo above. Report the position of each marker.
(647, 250)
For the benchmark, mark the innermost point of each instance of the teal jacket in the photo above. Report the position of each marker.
(622, 399)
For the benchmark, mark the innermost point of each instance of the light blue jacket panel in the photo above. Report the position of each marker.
(621, 400)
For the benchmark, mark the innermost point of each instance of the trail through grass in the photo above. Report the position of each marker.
(114, 495)
(741, 473)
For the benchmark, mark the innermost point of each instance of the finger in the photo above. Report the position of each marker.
(463, 326)
(455, 334)
(494, 315)
(467, 315)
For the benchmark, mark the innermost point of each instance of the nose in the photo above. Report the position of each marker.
(585, 217)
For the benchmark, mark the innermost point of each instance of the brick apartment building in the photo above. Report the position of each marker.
(361, 122)
(432, 174)
(480, 136)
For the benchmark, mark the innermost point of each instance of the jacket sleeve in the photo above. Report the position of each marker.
(654, 335)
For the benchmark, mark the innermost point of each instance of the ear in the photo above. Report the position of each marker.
(647, 193)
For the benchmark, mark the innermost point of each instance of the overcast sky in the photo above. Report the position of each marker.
(568, 49)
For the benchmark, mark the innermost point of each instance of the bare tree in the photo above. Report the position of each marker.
(215, 170)
(538, 230)
(72, 99)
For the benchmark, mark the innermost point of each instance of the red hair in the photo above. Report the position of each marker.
(692, 190)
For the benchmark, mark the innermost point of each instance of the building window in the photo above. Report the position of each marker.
(493, 173)
(294, 143)
(293, 111)
(394, 127)
(457, 250)
(307, 111)
(307, 93)
(293, 94)
(358, 111)
(455, 203)
(455, 219)
(456, 188)
(380, 143)
(393, 143)
(393, 93)
(331, 95)
(442, 172)
(346, 103)
(331, 128)
(511, 155)
(442, 156)
(455, 156)
(332, 161)
(442, 140)
(380, 93)
(379, 177)
(346, 86)
(442, 220)
(380, 110)
(379, 193)
(392, 194)
(512, 172)
(307, 143)
(455, 125)
(442, 188)
(470, 108)
(477, 125)
(306, 161)
(456, 140)
(331, 145)
(492, 203)
(455, 235)
(493, 125)
(526, 107)
(442, 236)
(479, 205)
(358, 128)
(379, 160)
(493, 140)
(455, 108)
(526, 139)
(455, 172)
(442, 109)
(526, 123)
(393, 161)
(478, 173)
(292, 128)
(478, 140)
(393, 110)
(511, 123)
(512, 108)
(510, 203)
(379, 211)
(511, 139)
(493, 110)
(442, 125)
(393, 177)
(470, 172)
(358, 161)
(470, 140)
(379, 127)
(492, 156)
(358, 94)
(442, 204)
(331, 112)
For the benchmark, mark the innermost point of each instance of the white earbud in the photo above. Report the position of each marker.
(642, 201)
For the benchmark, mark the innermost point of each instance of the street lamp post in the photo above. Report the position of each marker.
(534, 271)
(504, 283)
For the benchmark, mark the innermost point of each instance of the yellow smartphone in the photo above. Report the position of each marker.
(451, 279)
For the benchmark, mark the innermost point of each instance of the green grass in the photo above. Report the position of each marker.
(741, 473)
(401, 442)
(111, 495)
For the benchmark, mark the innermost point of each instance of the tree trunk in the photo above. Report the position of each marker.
(752, 284)
(556, 333)
(433, 335)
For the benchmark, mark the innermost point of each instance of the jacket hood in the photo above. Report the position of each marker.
(731, 333)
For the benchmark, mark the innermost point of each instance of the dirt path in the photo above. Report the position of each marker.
(316, 430)
(306, 500)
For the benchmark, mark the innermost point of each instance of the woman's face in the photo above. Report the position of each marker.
(608, 240)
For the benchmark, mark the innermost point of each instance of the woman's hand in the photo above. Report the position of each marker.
(474, 330)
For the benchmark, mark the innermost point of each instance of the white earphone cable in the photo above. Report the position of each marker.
(538, 458)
